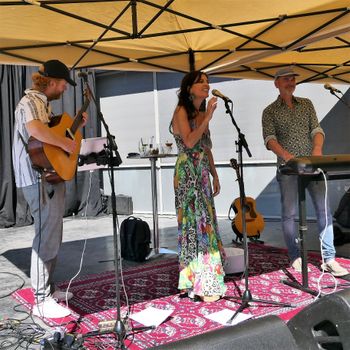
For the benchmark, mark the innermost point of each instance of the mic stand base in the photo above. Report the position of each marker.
(159, 251)
(247, 298)
(297, 285)
(118, 329)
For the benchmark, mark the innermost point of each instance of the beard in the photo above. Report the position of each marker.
(55, 96)
(289, 90)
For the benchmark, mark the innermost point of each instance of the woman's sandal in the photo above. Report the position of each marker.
(210, 298)
(183, 294)
(196, 299)
(189, 294)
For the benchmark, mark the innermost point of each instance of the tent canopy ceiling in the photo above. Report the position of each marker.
(242, 39)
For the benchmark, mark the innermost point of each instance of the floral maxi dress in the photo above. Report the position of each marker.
(199, 245)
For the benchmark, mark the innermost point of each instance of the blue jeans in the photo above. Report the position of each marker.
(289, 202)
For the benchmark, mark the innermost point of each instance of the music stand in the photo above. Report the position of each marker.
(92, 154)
(246, 297)
(116, 327)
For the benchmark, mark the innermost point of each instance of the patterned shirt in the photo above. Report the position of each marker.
(32, 106)
(205, 139)
(293, 128)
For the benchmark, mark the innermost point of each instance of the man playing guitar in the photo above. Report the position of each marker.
(45, 199)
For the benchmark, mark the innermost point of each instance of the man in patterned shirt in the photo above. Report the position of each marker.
(46, 201)
(291, 129)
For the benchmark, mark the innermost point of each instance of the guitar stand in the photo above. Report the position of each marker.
(239, 241)
(246, 297)
(116, 327)
(256, 240)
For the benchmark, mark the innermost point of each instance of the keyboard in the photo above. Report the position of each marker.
(310, 165)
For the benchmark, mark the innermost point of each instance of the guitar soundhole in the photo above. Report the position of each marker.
(55, 120)
(250, 211)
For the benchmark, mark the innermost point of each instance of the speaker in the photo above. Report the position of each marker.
(270, 333)
(325, 324)
(124, 204)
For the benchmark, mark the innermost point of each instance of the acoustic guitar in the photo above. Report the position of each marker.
(254, 220)
(53, 162)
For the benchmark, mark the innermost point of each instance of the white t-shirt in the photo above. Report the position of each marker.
(32, 106)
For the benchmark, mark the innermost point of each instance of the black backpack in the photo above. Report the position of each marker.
(135, 239)
(342, 214)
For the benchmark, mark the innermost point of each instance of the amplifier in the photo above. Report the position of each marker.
(124, 204)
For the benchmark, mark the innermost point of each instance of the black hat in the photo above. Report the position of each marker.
(57, 69)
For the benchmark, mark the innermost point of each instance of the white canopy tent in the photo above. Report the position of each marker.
(242, 39)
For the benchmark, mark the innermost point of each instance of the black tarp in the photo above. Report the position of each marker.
(82, 189)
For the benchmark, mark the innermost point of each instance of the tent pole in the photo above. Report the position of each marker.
(191, 60)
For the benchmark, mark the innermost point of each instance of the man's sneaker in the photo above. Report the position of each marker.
(297, 265)
(334, 268)
(61, 295)
(49, 308)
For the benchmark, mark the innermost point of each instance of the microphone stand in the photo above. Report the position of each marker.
(246, 297)
(334, 93)
(116, 327)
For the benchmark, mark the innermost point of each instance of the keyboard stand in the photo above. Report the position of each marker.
(303, 181)
(336, 167)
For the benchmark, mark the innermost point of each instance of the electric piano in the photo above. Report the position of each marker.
(336, 166)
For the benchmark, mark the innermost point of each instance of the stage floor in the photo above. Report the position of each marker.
(99, 255)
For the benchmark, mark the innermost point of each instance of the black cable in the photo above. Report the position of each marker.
(39, 244)
(19, 334)
(17, 288)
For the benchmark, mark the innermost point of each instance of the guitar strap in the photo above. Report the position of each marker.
(39, 175)
(24, 143)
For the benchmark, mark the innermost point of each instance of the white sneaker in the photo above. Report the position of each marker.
(61, 295)
(49, 308)
(297, 265)
(334, 268)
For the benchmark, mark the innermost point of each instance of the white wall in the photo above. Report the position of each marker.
(147, 113)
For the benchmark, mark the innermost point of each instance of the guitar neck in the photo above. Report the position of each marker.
(79, 117)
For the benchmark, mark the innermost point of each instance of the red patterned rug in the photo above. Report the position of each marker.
(154, 284)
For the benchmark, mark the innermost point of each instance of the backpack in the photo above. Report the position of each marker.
(342, 214)
(135, 239)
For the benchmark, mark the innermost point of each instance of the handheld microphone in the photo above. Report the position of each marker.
(331, 88)
(217, 93)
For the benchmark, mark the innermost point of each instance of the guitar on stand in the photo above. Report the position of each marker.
(56, 164)
(253, 219)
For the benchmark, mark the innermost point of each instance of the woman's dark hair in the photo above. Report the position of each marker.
(184, 95)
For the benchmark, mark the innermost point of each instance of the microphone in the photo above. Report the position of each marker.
(217, 93)
(331, 88)
(83, 75)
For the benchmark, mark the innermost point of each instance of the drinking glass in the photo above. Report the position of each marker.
(168, 147)
(143, 148)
